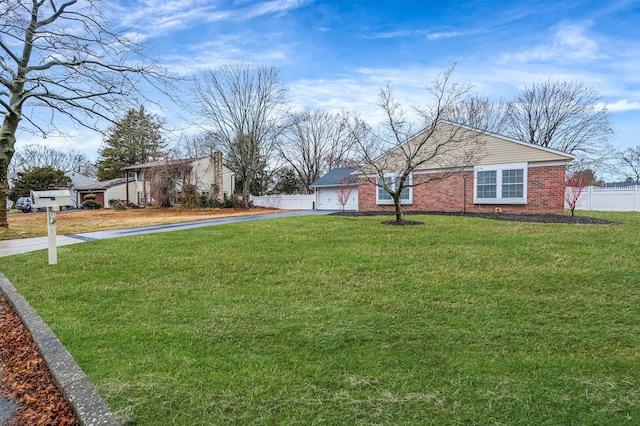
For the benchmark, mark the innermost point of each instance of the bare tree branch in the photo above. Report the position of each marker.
(562, 115)
(62, 58)
(317, 141)
(244, 105)
(631, 158)
(439, 145)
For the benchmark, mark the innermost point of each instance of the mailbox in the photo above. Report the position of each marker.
(56, 199)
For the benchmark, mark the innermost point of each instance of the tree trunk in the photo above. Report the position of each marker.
(7, 148)
(398, 206)
(246, 193)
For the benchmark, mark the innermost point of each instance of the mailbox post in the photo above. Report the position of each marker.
(52, 200)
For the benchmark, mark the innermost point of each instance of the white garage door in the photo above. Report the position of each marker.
(328, 199)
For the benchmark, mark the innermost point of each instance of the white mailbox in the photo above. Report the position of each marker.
(55, 198)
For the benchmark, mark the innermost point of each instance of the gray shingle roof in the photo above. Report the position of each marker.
(334, 176)
(103, 185)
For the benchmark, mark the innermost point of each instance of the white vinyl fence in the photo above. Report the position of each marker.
(286, 202)
(625, 199)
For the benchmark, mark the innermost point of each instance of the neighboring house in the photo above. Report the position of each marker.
(10, 177)
(78, 180)
(209, 175)
(334, 185)
(510, 176)
(114, 189)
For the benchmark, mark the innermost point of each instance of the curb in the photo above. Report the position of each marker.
(85, 401)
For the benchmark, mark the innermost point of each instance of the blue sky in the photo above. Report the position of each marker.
(337, 54)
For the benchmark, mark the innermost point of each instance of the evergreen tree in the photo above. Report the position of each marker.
(38, 179)
(136, 139)
(287, 181)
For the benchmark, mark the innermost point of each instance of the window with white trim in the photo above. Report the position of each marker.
(500, 184)
(383, 197)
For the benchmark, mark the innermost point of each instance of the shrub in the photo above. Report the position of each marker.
(90, 202)
(189, 196)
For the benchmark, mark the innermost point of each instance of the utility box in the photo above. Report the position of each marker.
(55, 199)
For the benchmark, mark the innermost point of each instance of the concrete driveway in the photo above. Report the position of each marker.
(11, 247)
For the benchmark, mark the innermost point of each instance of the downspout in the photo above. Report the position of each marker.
(126, 183)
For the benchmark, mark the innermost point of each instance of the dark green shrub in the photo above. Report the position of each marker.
(90, 202)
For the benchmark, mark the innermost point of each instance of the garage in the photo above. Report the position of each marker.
(336, 187)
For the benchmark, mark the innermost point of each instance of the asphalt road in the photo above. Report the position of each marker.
(12, 247)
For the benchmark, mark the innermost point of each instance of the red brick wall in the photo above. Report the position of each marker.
(99, 197)
(544, 195)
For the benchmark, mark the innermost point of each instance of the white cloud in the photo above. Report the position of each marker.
(414, 33)
(272, 7)
(438, 36)
(570, 42)
(158, 18)
(224, 50)
(622, 105)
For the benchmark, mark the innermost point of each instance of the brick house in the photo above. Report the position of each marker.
(513, 176)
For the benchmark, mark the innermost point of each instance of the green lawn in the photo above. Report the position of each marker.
(344, 321)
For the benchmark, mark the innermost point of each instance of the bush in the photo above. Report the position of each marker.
(90, 202)
(206, 202)
(189, 197)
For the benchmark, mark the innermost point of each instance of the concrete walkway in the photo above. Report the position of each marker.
(12, 247)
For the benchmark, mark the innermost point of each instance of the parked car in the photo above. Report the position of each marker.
(9, 204)
(25, 204)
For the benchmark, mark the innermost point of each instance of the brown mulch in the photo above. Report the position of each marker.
(533, 218)
(25, 379)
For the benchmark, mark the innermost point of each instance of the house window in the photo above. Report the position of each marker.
(501, 184)
(512, 183)
(487, 184)
(383, 197)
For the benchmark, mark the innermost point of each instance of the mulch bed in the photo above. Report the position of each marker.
(535, 218)
(25, 379)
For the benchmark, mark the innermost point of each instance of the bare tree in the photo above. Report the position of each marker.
(573, 189)
(170, 182)
(631, 158)
(317, 141)
(245, 105)
(480, 113)
(345, 187)
(562, 115)
(440, 145)
(35, 155)
(61, 58)
(195, 146)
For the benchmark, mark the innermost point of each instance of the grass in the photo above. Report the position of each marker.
(26, 225)
(337, 320)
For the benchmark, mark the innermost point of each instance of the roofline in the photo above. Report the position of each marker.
(571, 157)
(159, 163)
(335, 184)
(510, 139)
